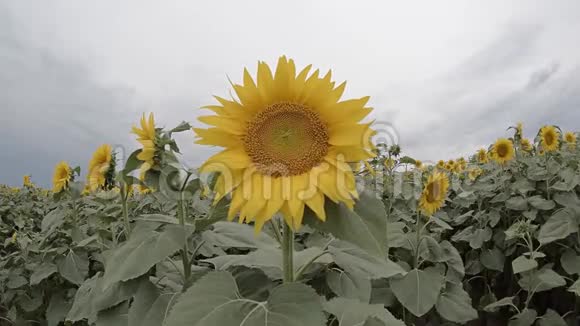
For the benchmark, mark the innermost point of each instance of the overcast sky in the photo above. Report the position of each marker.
(450, 76)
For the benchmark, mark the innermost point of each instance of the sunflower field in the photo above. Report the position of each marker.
(300, 220)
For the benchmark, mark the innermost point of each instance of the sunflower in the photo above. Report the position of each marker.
(570, 139)
(520, 129)
(450, 165)
(100, 167)
(26, 182)
(502, 151)
(288, 133)
(146, 136)
(526, 145)
(418, 164)
(441, 164)
(549, 138)
(434, 193)
(474, 173)
(482, 155)
(61, 177)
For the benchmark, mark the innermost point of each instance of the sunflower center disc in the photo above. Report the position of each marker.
(432, 192)
(502, 150)
(286, 139)
(549, 137)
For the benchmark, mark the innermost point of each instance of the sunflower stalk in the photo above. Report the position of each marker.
(181, 211)
(288, 254)
(124, 198)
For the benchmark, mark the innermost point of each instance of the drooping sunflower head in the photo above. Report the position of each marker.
(482, 155)
(289, 132)
(61, 177)
(520, 129)
(434, 193)
(101, 169)
(550, 138)
(502, 151)
(26, 182)
(146, 135)
(526, 145)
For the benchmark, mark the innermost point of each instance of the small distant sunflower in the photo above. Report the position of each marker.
(61, 177)
(26, 182)
(434, 193)
(526, 145)
(101, 168)
(418, 164)
(450, 165)
(570, 139)
(146, 136)
(541, 152)
(290, 132)
(482, 155)
(462, 163)
(474, 173)
(549, 138)
(457, 167)
(441, 164)
(502, 151)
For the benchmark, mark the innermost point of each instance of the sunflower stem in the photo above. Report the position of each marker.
(418, 240)
(125, 211)
(288, 254)
(181, 212)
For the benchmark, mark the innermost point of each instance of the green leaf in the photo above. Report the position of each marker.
(541, 203)
(570, 262)
(516, 203)
(479, 237)
(351, 312)
(551, 318)
(149, 306)
(143, 250)
(396, 234)
(492, 259)
(116, 316)
(493, 307)
(358, 262)
(215, 300)
(575, 288)
(542, 280)
(523, 264)
(42, 272)
(568, 200)
(561, 224)
(236, 235)
(82, 307)
(52, 221)
(525, 318)
(418, 290)
(350, 286)
(74, 267)
(455, 267)
(57, 309)
(183, 126)
(454, 304)
(104, 298)
(133, 163)
(364, 227)
(430, 250)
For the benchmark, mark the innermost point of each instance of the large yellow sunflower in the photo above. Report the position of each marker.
(549, 138)
(146, 136)
(61, 177)
(99, 166)
(502, 151)
(434, 193)
(287, 144)
(482, 155)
